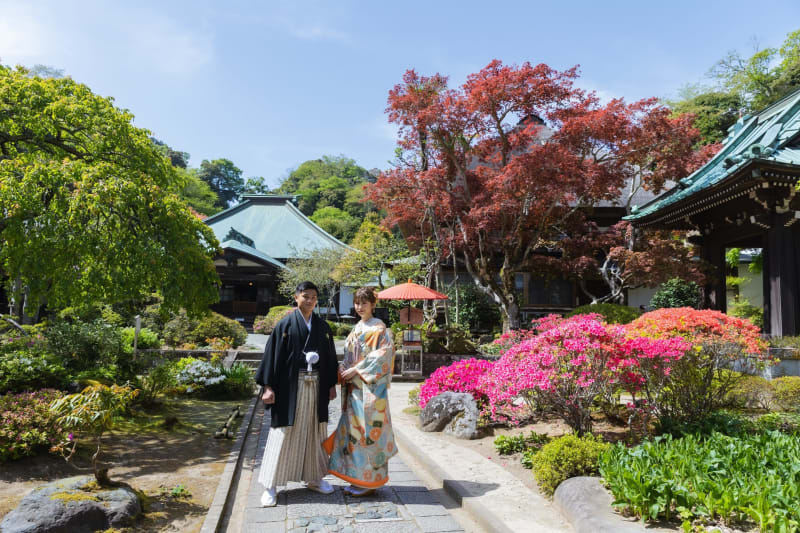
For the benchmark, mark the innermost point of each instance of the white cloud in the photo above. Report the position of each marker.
(314, 32)
(311, 20)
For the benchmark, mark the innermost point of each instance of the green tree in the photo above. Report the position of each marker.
(742, 84)
(715, 112)
(338, 223)
(224, 178)
(255, 185)
(376, 252)
(317, 266)
(91, 211)
(197, 193)
(176, 157)
(327, 182)
(92, 412)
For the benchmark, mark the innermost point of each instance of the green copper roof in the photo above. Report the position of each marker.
(768, 136)
(275, 226)
(252, 252)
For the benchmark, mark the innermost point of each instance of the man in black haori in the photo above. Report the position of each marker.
(299, 373)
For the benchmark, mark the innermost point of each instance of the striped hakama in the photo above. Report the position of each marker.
(295, 453)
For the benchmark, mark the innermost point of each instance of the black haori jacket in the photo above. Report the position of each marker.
(284, 357)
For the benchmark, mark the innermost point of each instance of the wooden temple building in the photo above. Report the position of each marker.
(257, 236)
(746, 196)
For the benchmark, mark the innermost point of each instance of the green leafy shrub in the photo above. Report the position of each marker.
(751, 392)
(27, 426)
(565, 457)
(785, 342)
(239, 382)
(106, 375)
(178, 330)
(265, 324)
(611, 313)
(215, 325)
(508, 444)
(476, 310)
(83, 345)
(676, 293)
(413, 395)
(26, 365)
(154, 382)
(527, 458)
(154, 317)
(784, 422)
(111, 317)
(715, 476)
(340, 329)
(722, 422)
(455, 340)
(743, 309)
(147, 339)
(490, 350)
(787, 392)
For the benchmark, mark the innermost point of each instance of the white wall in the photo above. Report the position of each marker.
(641, 296)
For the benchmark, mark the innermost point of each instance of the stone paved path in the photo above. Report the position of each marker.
(404, 505)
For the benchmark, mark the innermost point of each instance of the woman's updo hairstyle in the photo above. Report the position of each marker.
(365, 294)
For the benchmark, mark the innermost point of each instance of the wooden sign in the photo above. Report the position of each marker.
(416, 316)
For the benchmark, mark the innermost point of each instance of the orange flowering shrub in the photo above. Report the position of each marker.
(699, 381)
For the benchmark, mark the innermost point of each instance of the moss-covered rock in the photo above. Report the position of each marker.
(73, 505)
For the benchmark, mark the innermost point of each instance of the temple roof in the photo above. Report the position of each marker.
(272, 226)
(252, 252)
(769, 136)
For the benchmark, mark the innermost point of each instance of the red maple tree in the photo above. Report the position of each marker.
(494, 171)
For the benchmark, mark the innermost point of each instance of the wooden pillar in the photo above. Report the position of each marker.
(782, 280)
(714, 291)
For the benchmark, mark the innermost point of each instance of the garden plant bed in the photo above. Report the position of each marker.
(150, 457)
(552, 427)
(555, 428)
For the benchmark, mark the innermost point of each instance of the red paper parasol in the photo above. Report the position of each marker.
(410, 291)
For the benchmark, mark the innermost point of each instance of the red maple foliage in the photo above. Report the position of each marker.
(494, 170)
(626, 262)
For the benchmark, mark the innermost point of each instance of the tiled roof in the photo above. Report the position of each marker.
(252, 252)
(770, 135)
(277, 228)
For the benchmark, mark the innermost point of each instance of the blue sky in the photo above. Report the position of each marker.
(274, 83)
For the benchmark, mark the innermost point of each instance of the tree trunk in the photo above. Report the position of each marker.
(511, 315)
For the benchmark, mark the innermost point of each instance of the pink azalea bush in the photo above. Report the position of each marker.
(570, 363)
(513, 337)
(467, 375)
(27, 426)
(673, 362)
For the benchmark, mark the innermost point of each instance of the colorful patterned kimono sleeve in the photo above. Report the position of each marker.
(377, 363)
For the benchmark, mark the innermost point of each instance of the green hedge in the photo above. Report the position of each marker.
(676, 293)
(566, 457)
(215, 325)
(147, 339)
(265, 324)
(612, 313)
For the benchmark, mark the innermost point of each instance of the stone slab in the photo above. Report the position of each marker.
(587, 506)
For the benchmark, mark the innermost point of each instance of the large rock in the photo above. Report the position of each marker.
(63, 507)
(455, 413)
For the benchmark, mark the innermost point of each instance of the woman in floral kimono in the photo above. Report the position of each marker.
(363, 442)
